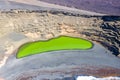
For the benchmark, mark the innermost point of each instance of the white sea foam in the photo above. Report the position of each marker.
(94, 78)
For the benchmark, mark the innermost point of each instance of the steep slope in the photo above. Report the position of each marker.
(110, 7)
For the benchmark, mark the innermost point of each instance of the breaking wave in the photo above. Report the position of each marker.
(95, 78)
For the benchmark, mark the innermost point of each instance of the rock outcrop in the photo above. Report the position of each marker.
(43, 25)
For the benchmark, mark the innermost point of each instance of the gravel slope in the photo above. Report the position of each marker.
(40, 5)
(111, 7)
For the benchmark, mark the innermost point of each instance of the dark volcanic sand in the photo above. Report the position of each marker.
(15, 5)
(111, 7)
(57, 65)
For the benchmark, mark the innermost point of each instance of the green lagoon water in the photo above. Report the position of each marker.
(55, 44)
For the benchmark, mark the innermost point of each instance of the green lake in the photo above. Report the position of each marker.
(54, 44)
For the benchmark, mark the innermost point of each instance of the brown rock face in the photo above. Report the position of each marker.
(42, 25)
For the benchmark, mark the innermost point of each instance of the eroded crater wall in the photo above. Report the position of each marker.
(45, 25)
